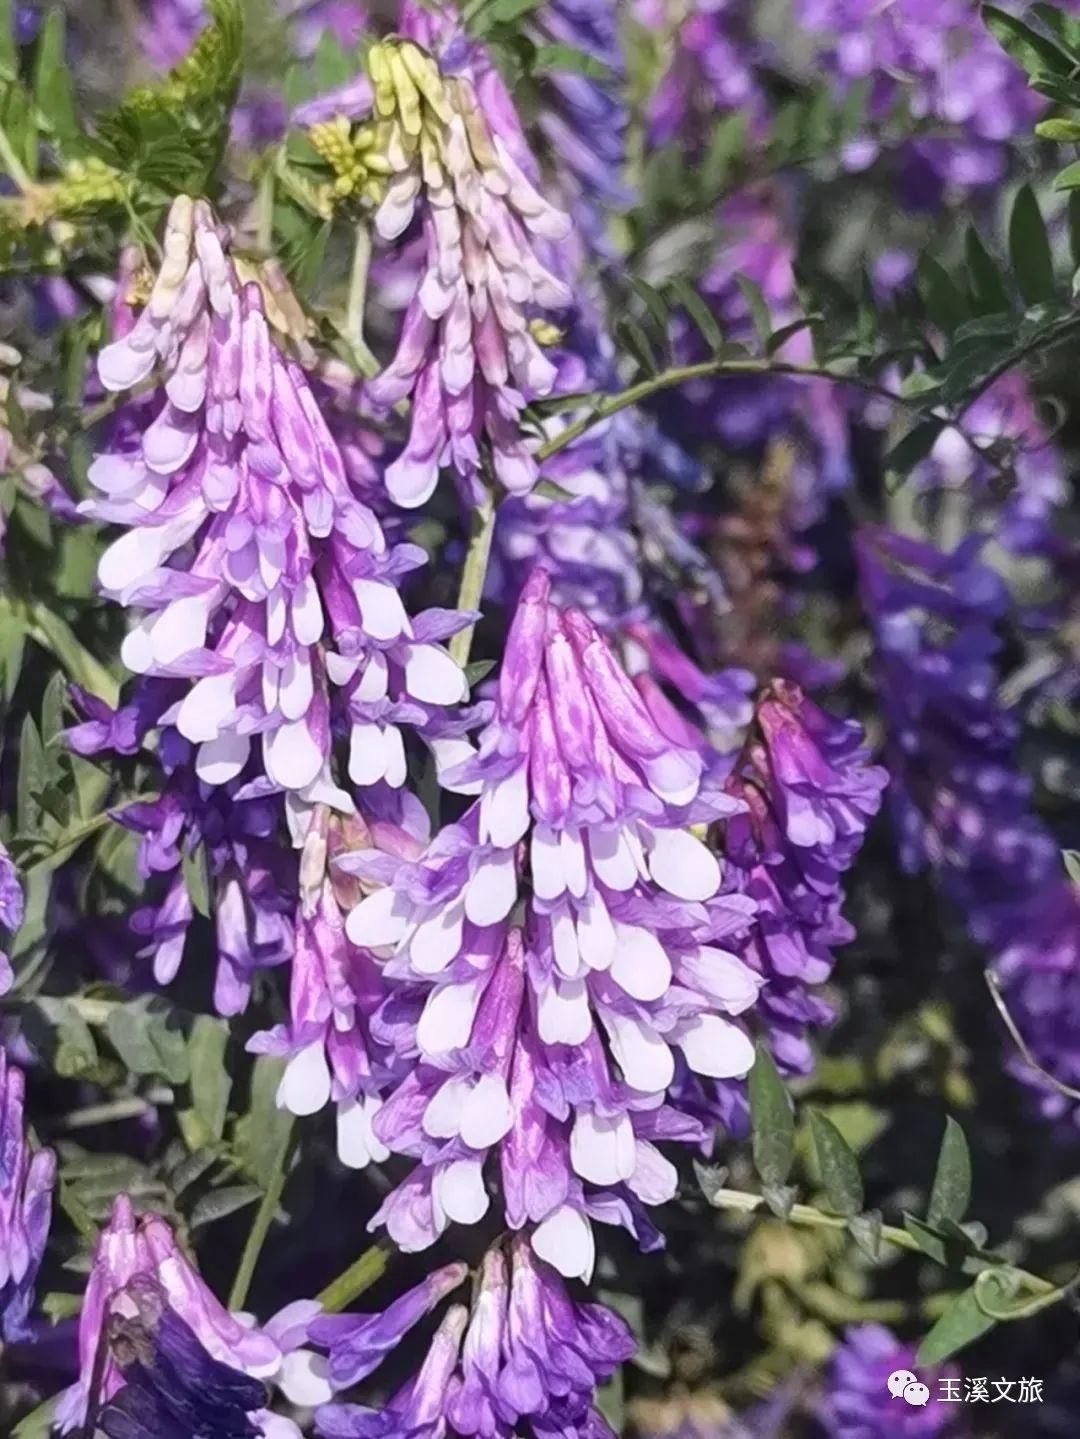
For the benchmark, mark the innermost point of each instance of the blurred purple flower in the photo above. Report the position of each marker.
(26, 1188)
(858, 1403)
(11, 911)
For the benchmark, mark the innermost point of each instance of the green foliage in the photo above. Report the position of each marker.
(170, 136)
(951, 1192)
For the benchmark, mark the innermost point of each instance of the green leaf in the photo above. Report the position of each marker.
(987, 284)
(1071, 858)
(726, 145)
(193, 867)
(772, 1120)
(1074, 228)
(1031, 51)
(838, 1166)
(1029, 249)
(39, 1423)
(960, 1325)
(635, 341)
(53, 94)
(654, 304)
(220, 1203)
(757, 307)
(1069, 178)
(1065, 131)
(148, 1039)
(699, 312)
(866, 1230)
(33, 777)
(262, 1132)
(210, 1082)
(331, 65)
(913, 448)
(951, 1191)
(945, 302)
(568, 60)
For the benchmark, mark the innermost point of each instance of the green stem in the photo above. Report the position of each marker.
(474, 572)
(805, 1214)
(264, 210)
(358, 280)
(264, 1217)
(352, 1282)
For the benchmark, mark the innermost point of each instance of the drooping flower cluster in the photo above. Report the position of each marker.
(141, 1274)
(525, 1355)
(960, 802)
(807, 794)
(557, 955)
(711, 70)
(942, 62)
(26, 1187)
(268, 584)
(468, 358)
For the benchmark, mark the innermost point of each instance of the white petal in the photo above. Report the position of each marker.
(432, 677)
(395, 768)
(357, 1143)
(377, 921)
(381, 610)
(375, 679)
(459, 1191)
(640, 967)
(206, 706)
(448, 754)
(305, 1379)
(293, 759)
(565, 1241)
(723, 976)
(493, 888)
(564, 943)
(442, 1117)
(645, 1060)
(715, 1047)
(545, 857)
(297, 687)
(137, 650)
(682, 865)
(437, 940)
(655, 1179)
(595, 932)
(486, 1115)
(573, 857)
(602, 1149)
(447, 1019)
(504, 809)
(612, 859)
(220, 760)
(307, 612)
(675, 776)
(180, 628)
(563, 1012)
(305, 1085)
(367, 757)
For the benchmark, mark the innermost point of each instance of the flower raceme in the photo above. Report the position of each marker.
(558, 956)
(523, 1354)
(467, 358)
(268, 585)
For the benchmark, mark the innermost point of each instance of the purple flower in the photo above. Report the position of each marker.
(808, 795)
(268, 585)
(938, 58)
(139, 1266)
(467, 358)
(584, 120)
(11, 911)
(26, 1186)
(961, 805)
(336, 988)
(858, 1402)
(581, 836)
(171, 1387)
(525, 1354)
